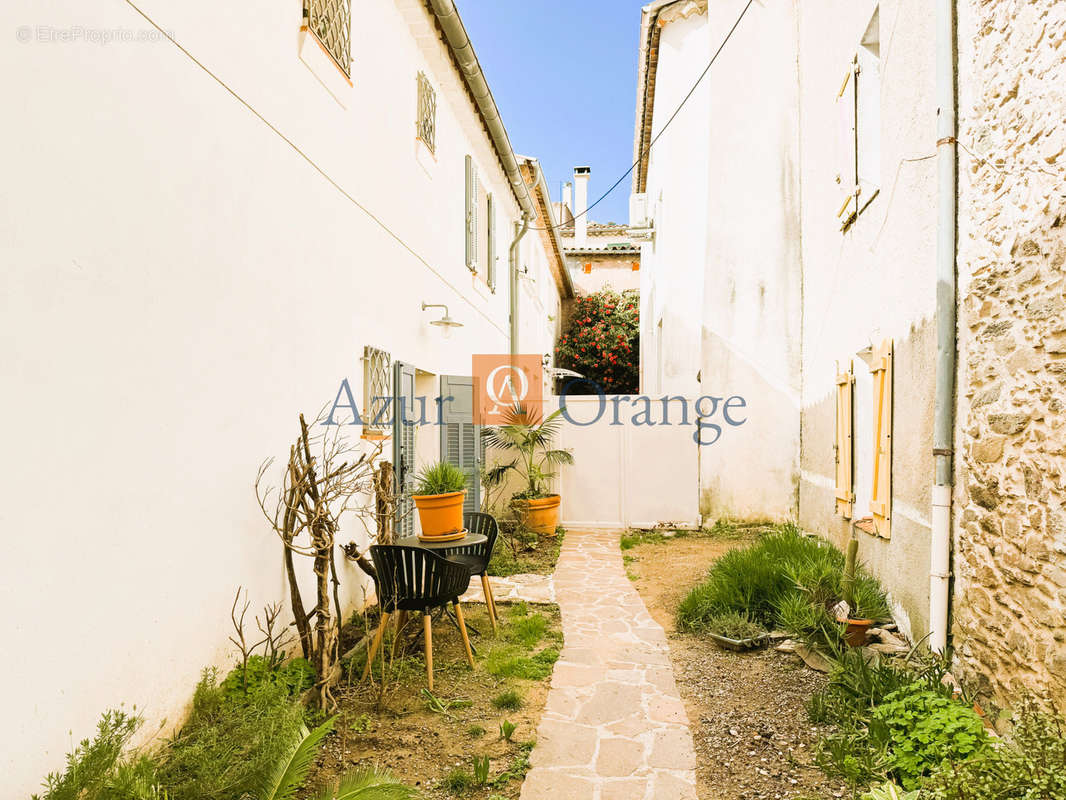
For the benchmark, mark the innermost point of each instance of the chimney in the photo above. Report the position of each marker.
(581, 204)
(567, 200)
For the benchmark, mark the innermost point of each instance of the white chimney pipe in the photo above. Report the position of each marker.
(581, 205)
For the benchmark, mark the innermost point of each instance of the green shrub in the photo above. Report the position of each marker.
(96, 770)
(1031, 766)
(229, 742)
(294, 677)
(924, 729)
(508, 700)
(850, 755)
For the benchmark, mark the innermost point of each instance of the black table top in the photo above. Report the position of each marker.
(466, 541)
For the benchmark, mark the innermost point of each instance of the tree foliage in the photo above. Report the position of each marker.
(602, 342)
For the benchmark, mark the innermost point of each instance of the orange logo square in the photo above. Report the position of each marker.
(503, 381)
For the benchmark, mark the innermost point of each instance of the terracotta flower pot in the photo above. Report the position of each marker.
(541, 515)
(856, 632)
(440, 514)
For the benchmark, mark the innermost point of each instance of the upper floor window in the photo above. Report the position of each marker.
(859, 110)
(331, 22)
(426, 124)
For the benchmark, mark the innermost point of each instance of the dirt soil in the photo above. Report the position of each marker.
(747, 711)
(525, 554)
(396, 730)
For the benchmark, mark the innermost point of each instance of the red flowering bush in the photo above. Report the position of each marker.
(602, 342)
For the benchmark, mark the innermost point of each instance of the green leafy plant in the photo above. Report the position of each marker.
(475, 731)
(734, 625)
(509, 700)
(1031, 765)
(507, 729)
(889, 791)
(439, 705)
(851, 756)
(288, 773)
(511, 662)
(439, 478)
(481, 770)
(95, 770)
(368, 783)
(527, 631)
(601, 341)
(227, 745)
(518, 768)
(530, 438)
(925, 729)
(294, 677)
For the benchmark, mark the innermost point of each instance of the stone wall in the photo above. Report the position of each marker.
(1010, 499)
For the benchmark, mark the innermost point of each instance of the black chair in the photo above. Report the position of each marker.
(417, 579)
(475, 557)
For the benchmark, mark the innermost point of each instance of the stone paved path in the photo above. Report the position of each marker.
(526, 587)
(614, 727)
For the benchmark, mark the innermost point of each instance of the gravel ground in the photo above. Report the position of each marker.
(747, 711)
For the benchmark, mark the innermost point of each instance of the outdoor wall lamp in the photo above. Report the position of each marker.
(446, 322)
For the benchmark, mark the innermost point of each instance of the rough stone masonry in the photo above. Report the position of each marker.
(1009, 619)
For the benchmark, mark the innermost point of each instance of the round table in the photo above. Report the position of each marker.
(466, 541)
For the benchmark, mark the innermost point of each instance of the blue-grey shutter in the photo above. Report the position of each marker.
(490, 233)
(403, 445)
(471, 214)
(460, 438)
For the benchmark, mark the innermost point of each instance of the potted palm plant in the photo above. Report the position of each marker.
(530, 438)
(439, 492)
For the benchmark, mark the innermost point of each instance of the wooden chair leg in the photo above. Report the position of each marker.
(462, 630)
(488, 600)
(427, 628)
(375, 643)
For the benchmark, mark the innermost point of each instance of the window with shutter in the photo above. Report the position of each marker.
(377, 389)
(460, 438)
(845, 494)
(404, 415)
(881, 495)
(471, 214)
(490, 235)
(847, 169)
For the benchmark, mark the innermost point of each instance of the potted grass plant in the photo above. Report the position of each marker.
(439, 492)
(529, 439)
(857, 625)
(732, 630)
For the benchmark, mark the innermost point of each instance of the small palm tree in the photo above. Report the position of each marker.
(530, 437)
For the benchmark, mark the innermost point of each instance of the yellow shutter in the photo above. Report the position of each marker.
(881, 496)
(845, 494)
(847, 170)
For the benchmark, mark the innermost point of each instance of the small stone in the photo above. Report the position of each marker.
(988, 450)
(1008, 423)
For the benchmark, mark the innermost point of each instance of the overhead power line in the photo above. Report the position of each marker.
(645, 150)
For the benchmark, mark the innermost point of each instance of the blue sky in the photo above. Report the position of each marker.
(564, 74)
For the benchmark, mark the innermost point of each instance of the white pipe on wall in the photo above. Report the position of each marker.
(944, 401)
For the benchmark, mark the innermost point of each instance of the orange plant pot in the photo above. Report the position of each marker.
(440, 514)
(540, 516)
(856, 633)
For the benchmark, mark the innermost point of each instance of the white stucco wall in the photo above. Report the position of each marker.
(723, 272)
(873, 282)
(178, 284)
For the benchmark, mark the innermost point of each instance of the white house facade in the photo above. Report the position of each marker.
(289, 189)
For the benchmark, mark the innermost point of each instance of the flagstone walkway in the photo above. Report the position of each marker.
(614, 727)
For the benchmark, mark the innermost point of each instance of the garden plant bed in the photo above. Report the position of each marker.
(536, 555)
(433, 750)
(747, 711)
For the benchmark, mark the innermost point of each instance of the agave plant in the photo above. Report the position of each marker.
(530, 437)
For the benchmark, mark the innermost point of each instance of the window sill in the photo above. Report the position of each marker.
(324, 67)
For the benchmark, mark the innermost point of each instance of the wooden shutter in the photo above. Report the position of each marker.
(881, 496)
(403, 445)
(459, 437)
(844, 446)
(471, 214)
(490, 234)
(847, 154)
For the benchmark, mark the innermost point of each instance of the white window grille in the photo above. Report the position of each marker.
(377, 391)
(331, 22)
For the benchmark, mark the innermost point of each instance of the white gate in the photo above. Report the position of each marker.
(626, 475)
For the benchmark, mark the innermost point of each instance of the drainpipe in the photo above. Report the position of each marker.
(512, 264)
(944, 404)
